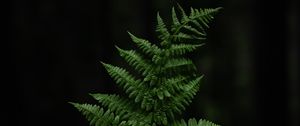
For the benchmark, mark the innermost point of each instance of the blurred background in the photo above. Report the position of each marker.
(250, 60)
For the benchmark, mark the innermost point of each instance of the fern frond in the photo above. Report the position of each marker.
(176, 22)
(184, 17)
(120, 75)
(135, 88)
(122, 107)
(199, 18)
(137, 61)
(132, 86)
(162, 93)
(184, 98)
(169, 80)
(96, 115)
(203, 15)
(181, 49)
(162, 29)
(174, 84)
(157, 59)
(136, 122)
(194, 30)
(182, 36)
(194, 122)
(199, 26)
(145, 45)
(176, 64)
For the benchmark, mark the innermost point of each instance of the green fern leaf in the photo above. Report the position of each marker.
(182, 36)
(169, 80)
(194, 122)
(184, 17)
(181, 49)
(131, 85)
(96, 115)
(122, 107)
(145, 45)
(162, 29)
(194, 30)
(137, 61)
(184, 98)
(176, 22)
(198, 17)
(173, 64)
(174, 84)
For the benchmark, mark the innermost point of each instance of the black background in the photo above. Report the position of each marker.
(250, 60)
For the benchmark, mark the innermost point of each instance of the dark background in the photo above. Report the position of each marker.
(250, 61)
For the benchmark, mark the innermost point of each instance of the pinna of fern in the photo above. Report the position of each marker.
(168, 82)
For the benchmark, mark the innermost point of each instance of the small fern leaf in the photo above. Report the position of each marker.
(96, 115)
(173, 64)
(145, 45)
(160, 95)
(174, 84)
(162, 29)
(193, 86)
(204, 15)
(132, 86)
(184, 17)
(122, 107)
(184, 98)
(194, 122)
(194, 30)
(195, 23)
(176, 22)
(203, 122)
(121, 76)
(199, 26)
(181, 49)
(136, 60)
(182, 36)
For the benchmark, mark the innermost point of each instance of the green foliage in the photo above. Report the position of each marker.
(193, 122)
(168, 81)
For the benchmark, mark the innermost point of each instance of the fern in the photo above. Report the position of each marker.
(168, 82)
